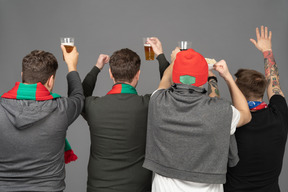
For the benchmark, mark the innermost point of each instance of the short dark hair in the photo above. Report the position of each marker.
(252, 83)
(124, 65)
(38, 66)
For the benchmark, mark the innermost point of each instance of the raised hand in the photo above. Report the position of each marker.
(156, 45)
(263, 42)
(102, 60)
(222, 68)
(71, 58)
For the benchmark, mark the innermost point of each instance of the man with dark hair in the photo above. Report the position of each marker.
(45, 68)
(34, 122)
(189, 132)
(252, 83)
(118, 124)
(124, 65)
(261, 143)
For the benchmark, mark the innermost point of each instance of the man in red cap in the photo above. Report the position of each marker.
(189, 133)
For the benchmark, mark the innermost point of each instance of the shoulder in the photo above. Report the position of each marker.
(220, 102)
(278, 103)
(278, 99)
(91, 99)
(157, 92)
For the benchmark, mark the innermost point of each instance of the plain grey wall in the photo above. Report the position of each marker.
(218, 29)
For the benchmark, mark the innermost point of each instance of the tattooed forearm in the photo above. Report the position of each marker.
(271, 68)
(213, 88)
(272, 73)
(276, 91)
(275, 82)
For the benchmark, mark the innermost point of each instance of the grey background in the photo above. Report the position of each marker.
(218, 29)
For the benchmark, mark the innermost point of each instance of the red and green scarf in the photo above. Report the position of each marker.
(38, 92)
(122, 88)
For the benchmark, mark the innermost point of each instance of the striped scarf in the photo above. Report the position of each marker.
(122, 88)
(38, 92)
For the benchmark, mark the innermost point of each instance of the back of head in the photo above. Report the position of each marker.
(38, 66)
(252, 83)
(124, 65)
(190, 67)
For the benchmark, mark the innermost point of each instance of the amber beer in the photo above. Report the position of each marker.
(149, 53)
(68, 48)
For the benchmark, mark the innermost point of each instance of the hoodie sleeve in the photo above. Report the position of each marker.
(75, 96)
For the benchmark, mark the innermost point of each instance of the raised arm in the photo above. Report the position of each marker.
(75, 100)
(158, 50)
(213, 90)
(166, 80)
(264, 44)
(238, 99)
(91, 78)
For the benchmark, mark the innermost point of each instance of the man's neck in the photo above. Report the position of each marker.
(255, 99)
(133, 84)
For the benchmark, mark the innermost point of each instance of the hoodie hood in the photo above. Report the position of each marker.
(24, 113)
(25, 104)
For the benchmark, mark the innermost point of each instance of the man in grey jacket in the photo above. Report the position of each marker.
(188, 132)
(34, 122)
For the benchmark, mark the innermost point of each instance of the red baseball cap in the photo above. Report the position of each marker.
(190, 67)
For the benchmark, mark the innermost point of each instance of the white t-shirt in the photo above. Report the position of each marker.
(165, 184)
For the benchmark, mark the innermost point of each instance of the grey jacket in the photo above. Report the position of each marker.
(188, 135)
(32, 139)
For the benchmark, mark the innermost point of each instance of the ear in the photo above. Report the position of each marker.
(137, 75)
(50, 83)
(111, 76)
(110, 73)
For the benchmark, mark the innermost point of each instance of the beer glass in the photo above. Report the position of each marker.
(149, 53)
(68, 43)
(184, 45)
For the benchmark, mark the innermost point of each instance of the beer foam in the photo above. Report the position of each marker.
(70, 44)
(147, 45)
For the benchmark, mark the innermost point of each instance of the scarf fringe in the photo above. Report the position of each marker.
(70, 156)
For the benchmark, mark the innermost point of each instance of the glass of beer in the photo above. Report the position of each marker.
(68, 43)
(184, 45)
(149, 53)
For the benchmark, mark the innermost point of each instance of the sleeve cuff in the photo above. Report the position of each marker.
(96, 69)
(161, 57)
(72, 74)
